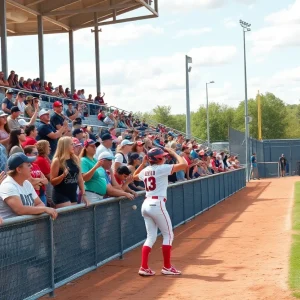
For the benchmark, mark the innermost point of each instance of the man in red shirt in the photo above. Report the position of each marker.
(75, 95)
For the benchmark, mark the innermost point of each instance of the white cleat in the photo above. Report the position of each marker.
(146, 272)
(171, 271)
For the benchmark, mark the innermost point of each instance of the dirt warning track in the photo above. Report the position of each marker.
(237, 250)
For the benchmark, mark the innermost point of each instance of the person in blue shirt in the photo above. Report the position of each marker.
(254, 169)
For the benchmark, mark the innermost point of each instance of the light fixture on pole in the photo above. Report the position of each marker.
(207, 113)
(188, 69)
(246, 28)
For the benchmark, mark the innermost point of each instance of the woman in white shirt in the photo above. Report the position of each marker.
(121, 158)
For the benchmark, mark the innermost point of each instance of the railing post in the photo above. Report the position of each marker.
(184, 219)
(194, 199)
(121, 235)
(51, 294)
(95, 235)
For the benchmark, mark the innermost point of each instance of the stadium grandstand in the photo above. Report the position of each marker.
(61, 150)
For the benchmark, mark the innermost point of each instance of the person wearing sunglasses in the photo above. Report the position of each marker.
(38, 179)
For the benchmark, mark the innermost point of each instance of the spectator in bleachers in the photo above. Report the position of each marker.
(109, 120)
(20, 102)
(94, 176)
(38, 179)
(82, 96)
(90, 98)
(43, 161)
(77, 146)
(134, 160)
(31, 134)
(99, 99)
(4, 129)
(78, 134)
(12, 119)
(17, 137)
(57, 120)
(3, 82)
(68, 93)
(123, 178)
(213, 164)
(121, 158)
(105, 146)
(138, 147)
(47, 132)
(65, 175)
(32, 103)
(75, 95)
(61, 92)
(36, 85)
(28, 84)
(13, 80)
(17, 195)
(101, 115)
(7, 102)
(21, 81)
(71, 113)
(49, 89)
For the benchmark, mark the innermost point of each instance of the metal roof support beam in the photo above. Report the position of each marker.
(36, 13)
(126, 20)
(3, 38)
(72, 64)
(85, 10)
(41, 48)
(156, 5)
(97, 53)
(148, 7)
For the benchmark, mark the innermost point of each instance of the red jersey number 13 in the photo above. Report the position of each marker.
(150, 184)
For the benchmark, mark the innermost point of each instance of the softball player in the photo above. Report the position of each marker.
(155, 178)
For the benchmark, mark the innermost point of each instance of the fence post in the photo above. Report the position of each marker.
(121, 235)
(95, 234)
(184, 219)
(51, 294)
(194, 205)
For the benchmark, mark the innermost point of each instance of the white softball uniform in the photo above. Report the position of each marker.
(154, 209)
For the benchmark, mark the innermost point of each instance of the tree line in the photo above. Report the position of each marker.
(279, 120)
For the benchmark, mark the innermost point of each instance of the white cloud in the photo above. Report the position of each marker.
(290, 15)
(210, 56)
(230, 23)
(154, 81)
(115, 35)
(282, 32)
(192, 32)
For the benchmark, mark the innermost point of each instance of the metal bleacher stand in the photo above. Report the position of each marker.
(46, 102)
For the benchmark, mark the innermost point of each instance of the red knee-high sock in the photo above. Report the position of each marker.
(145, 255)
(166, 249)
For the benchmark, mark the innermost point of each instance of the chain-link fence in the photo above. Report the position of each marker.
(38, 254)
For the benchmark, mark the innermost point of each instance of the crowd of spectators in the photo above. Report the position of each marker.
(58, 161)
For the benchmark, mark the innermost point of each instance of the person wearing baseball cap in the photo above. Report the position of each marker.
(12, 120)
(78, 133)
(77, 146)
(47, 132)
(105, 146)
(17, 195)
(7, 102)
(57, 120)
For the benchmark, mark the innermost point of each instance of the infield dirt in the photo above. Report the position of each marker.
(237, 250)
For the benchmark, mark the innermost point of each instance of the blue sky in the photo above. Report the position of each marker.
(142, 63)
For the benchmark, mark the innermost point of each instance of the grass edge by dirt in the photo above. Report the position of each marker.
(294, 263)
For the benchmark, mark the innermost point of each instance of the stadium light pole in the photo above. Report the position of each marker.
(207, 112)
(188, 69)
(246, 28)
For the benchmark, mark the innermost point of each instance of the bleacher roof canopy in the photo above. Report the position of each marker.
(63, 15)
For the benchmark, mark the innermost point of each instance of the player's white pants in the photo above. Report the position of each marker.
(156, 216)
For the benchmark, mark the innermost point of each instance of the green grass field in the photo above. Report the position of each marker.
(294, 275)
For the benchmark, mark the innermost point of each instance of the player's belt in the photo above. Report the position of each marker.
(157, 197)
